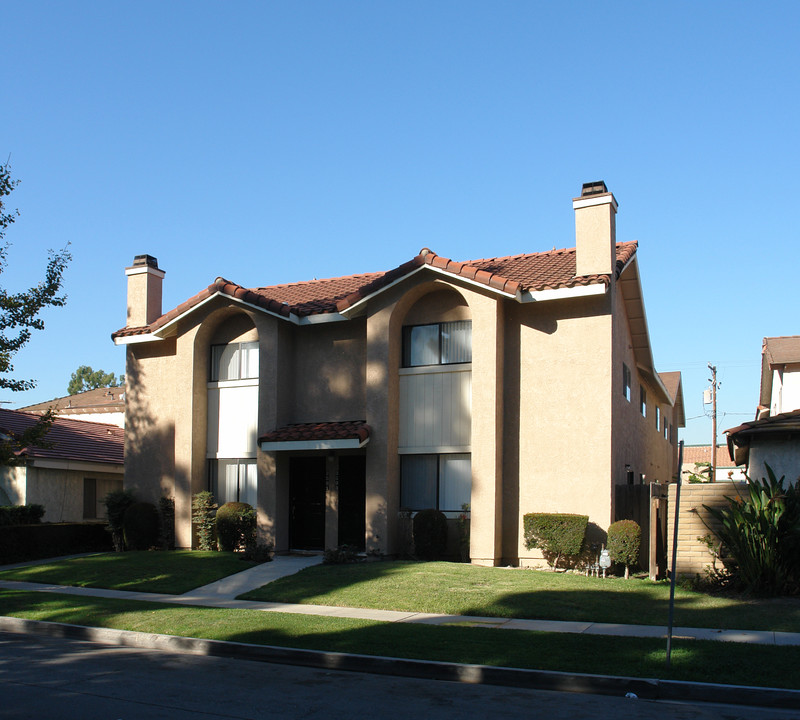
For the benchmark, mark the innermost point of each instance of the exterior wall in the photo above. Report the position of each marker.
(60, 491)
(558, 385)
(638, 446)
(12, 482)
(328, 372)
(785, 389)
(693, 555)
(782, 454)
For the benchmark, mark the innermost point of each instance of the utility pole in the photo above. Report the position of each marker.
(713, 381)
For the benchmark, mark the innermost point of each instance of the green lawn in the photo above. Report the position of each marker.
(173, 573)
(728, 663)
(457, 589)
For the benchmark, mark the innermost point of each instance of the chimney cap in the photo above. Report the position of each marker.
(593, 188)
(145, 260)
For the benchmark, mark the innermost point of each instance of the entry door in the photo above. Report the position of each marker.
(307, 503)
(352, 505)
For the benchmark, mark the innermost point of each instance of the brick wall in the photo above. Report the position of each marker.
(693, 555)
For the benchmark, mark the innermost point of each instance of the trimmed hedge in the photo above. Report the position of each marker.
(140, 526)
(236, 526)
(556, 534)
(624, 538)
(19, 543)
(430, 534)
(21, 514)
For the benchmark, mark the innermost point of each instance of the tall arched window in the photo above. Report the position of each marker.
(233, 413)
(435, 404)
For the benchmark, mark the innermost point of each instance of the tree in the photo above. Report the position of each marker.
(84, 378)
(19, 317)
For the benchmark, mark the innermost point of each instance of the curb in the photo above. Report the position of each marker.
(646, 689)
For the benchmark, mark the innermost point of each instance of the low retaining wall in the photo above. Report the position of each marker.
(693, 555)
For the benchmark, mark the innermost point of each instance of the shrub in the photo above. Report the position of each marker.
(203, 507)
(430, 534)
(166, 523)
(140, 526)
(556, 534)
(341, 555)
(19, 543)
(21, 514)
(236, 526)
(259, 553)
(463, 523)
(760, 537)
(624, 538)
(117, 502)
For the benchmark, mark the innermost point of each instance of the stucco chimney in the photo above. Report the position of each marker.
(595, 230)
(144, 290)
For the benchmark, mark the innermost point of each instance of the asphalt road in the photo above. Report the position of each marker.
(55, 678)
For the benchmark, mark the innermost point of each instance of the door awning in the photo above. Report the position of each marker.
(341, 435)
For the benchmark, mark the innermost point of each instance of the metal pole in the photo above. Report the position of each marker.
(713, 369)
(674, 556)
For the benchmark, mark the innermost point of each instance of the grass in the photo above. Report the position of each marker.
(172, 573)
(456, 589)
(636, 657)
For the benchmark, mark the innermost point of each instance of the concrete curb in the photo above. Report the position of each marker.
(647, 689)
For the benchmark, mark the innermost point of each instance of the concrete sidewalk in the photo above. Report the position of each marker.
(224, 593)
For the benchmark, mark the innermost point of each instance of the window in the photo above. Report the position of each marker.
(626, 382)
(658, 418)
(444, 343)
(234, 481)
(89, 499)
(237, 361)
(643, 401)
(436, 481)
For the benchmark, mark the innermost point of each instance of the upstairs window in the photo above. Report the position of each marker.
(643, 401)
(626, 382)
(236, 361)
(658, 417)
(446, 343)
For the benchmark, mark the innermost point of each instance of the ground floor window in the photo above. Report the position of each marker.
(436, 481)
(234, 480)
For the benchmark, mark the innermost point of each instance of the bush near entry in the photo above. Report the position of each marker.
(430, 534)
(140, 526)
(236, 526)
(558, 535)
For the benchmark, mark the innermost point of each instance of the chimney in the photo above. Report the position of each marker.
(144, 290)
(595, 230)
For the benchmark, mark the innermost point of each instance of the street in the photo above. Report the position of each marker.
(55, 678)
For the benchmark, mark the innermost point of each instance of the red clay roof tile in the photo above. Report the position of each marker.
(343, 430)
(76, 440)
(513, 274)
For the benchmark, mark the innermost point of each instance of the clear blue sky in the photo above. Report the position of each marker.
(270, 142)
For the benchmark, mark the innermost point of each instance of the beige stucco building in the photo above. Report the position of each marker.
(79, 463)
(515, 384)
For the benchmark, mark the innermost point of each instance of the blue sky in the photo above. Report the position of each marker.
(270, 142)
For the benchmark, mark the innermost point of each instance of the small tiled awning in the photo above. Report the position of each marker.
(344, 435)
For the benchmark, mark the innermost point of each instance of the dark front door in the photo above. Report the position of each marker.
(352, 505)
(307, 503)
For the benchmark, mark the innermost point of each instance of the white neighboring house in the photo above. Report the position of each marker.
(103, 405)
(726, 468)
(773, 438)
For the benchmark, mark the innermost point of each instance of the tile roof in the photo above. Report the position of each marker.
(343, 430)
(513, 274)
(702, 453)
(101, 400)
(75, 440)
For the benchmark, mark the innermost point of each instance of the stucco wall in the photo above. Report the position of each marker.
(12, 481)
(693, 555)
(782, 454)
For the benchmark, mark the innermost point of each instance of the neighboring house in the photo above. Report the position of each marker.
(106, 405)
(695, 454)
(773, 438)
(82, 463)
(515, 384)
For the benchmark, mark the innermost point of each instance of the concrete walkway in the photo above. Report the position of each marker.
(223, 594)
